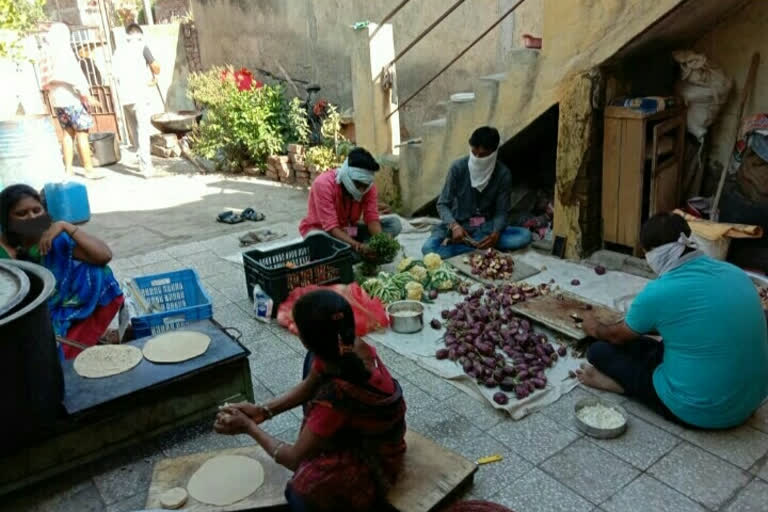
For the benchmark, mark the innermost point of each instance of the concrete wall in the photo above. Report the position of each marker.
(730, 45)
(311, 41)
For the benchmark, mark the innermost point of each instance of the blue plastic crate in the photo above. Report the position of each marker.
(181, 296)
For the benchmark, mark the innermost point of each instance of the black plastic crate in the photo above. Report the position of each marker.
(318, 259)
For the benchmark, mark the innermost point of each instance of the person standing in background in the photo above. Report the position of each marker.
(70, 97)
(135, 69)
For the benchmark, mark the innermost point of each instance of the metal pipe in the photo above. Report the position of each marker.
(424, 33)
(461, 54)
(389, 16)
(148, 12)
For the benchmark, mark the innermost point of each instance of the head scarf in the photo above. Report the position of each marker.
(347, 176)
(59, 64)
(481, 169)
(666, 257)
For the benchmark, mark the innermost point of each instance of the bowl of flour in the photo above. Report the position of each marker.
(600, 419)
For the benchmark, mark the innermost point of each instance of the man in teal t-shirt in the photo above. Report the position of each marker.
(711, 368)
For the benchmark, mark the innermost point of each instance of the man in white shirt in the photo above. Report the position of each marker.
(70, 97)
(135, 69)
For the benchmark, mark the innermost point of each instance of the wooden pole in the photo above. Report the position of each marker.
(749, 84)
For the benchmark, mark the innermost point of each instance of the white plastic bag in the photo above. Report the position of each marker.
(705, 89)
(262, 305)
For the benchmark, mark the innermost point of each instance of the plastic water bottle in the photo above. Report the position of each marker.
(262, 305)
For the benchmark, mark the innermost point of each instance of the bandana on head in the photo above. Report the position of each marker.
(666, 257)
(481, 169)
(347, 176)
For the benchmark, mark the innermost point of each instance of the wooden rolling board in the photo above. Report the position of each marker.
(176, 472)
(522, 269)
(555, 312)
(431, 474)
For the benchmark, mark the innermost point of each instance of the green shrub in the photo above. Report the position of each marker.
(21, 17)
(243, 124)
(323, 157)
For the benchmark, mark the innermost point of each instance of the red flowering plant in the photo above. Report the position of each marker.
(244, 120)
(242, 78)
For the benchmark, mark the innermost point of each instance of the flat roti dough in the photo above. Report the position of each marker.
(226, 479)
(176, 346)
(173, 499)
(106, 360)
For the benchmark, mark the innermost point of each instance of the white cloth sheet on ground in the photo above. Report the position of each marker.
(614, 289)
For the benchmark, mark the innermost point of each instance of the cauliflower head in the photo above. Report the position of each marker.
(419, 273)
(404, 264)
(432, 261)
(414, 291)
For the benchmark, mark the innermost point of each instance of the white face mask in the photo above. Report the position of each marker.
(481, 169)
(666, 257)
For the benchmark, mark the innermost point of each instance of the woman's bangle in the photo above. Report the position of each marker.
(276, 450)
(269, 412)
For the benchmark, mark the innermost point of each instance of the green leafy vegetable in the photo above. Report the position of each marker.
(384, 247)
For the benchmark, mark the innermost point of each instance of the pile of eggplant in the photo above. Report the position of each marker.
(495, 347)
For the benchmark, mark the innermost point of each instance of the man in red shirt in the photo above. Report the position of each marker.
(343, 202)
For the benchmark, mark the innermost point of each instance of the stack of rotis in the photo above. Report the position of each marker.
(296, 157)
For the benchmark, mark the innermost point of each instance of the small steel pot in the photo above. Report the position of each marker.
(406, 316)
(599, 433)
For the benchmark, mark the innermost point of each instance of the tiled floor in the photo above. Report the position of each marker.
(547, 465)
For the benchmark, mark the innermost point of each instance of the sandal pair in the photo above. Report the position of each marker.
(230, 217)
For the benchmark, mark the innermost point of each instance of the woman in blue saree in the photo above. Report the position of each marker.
(87, 295)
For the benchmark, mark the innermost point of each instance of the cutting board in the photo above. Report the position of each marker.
(522, 269)
(431, 474)
(176, 472)
(554, 311)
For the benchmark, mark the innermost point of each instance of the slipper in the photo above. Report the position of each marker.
(251, 214)
(258, 237)
(229, 217)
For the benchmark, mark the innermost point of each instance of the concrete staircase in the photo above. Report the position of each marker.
(579, 35)
(497, 100)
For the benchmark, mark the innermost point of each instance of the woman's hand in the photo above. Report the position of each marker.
(89, 101)
(257, 413)
(46, 240)
(232, 421)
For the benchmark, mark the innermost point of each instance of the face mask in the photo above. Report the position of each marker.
(481, 169)
(30, 228)
(666, 257)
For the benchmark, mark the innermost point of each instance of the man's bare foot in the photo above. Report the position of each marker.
(594, 378)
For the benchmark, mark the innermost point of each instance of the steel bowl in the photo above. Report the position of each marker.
(406, 316)
(599, 433)
(180, 122)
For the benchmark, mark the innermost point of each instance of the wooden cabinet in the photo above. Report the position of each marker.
(643, 157)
